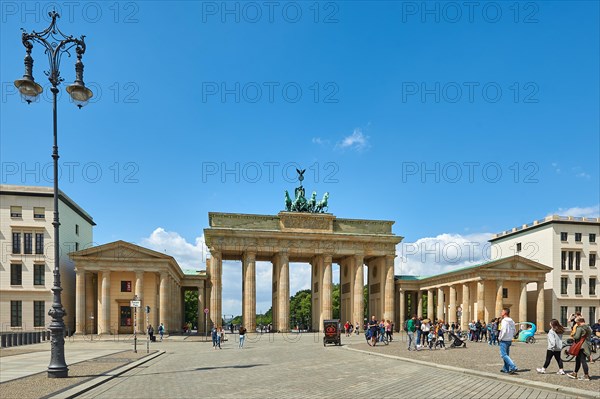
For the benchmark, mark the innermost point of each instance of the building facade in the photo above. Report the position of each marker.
(476, 292)
(569, 245)
(110, 275)
(27, 262)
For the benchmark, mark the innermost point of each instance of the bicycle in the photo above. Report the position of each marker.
(385, 340)
(567, 357)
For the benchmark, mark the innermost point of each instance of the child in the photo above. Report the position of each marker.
(440, 338)
(430, 339)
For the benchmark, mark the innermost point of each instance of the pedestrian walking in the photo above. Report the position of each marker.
(213, 335)
(373, 327)
(410, 331)
(507, 332)
(554, 347)
(242, 336)
(418, 331)
(583, 332)
(150, 330)
(161, 331)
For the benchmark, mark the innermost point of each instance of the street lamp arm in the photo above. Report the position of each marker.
(56, 44)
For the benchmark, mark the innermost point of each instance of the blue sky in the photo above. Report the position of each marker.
(453, 122)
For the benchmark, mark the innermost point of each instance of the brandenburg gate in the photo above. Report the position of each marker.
(304, 233)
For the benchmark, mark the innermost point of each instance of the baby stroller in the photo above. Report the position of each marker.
(456, 341)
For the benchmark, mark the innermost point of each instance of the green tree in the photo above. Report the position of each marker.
(335, 301)
(190, 300)
(301, 309)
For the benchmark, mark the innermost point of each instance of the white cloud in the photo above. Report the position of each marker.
(189, 256)
(356, 141)
(442, 253)
(319, 141)
(587, 212)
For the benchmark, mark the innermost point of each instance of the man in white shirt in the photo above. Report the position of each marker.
(507, 332)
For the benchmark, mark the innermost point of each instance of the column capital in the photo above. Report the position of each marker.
(106, 272)
(215, 252)
(249, 256)
(139, 273)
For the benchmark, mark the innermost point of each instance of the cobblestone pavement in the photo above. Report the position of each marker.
(292, 366)
(483, 357)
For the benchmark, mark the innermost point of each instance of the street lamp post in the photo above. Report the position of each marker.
(55, 44)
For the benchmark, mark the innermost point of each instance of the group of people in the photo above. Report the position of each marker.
(582, 335)
(378, 330)
(423, 333)
(349, 328)
(150, 331)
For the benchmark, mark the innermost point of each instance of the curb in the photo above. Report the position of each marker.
(533, 384)
(89, 385)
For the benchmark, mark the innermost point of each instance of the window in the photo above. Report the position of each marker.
(518, 247)
(39, 274)
(39, 313)
(504, 293)
(563, 315)
(570, 260)
(16, 274)
(16, 212)
(577, 260)
(39, 243)
(125, 319)
(564, 285)
(592, 314)
(592, 260)
(16, 313)
(592, 289)
(77, 229)
(27, 243)
(76, 246)
(39, 213)
(16, 243)
(125, 286)
(592, 237)
(578, 282)
(578, 237)
(578, 309)
(563, 236)
(563, 260)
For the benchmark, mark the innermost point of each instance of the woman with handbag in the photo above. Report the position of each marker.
(581, 349)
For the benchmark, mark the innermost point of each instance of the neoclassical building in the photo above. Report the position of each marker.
(477, 292)
(107, 278)
(319, 239)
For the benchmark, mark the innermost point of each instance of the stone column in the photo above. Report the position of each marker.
(466, 315)
(480, 301)
(80, 316)
(200, 308)
(359, 304)
(283, 294)
(139, 291)
(216, 269)
(523, 302)
(326, 307)
(91, 300)
(163, 300)
(402, 308)
(105, 302)
(539, 309)
(430, 304)
(249, 297)
(419, 303)
(499, 287)
(452, 308)
(275, 297)
(440, 304)
(388, 292)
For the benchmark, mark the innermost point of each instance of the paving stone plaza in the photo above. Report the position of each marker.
(292, 365)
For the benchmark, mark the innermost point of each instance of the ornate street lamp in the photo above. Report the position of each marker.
(55, 44)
